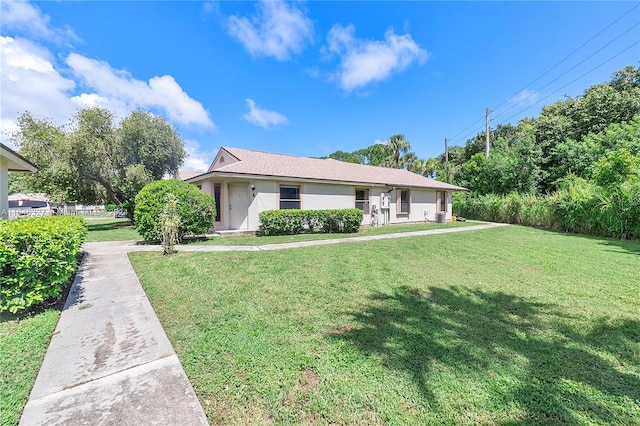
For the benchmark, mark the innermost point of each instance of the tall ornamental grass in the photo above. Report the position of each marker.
(578, 206)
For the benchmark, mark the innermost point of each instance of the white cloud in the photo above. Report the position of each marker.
(31, 83)
(196, 160)
(211, 7)
(24, 17)
(526, 97)
(263, 117)
(365, 61)
(118, 88)
(33, 80)
(278, 30)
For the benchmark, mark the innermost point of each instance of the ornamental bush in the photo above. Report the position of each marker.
(196, 209)
(38, 256)
(296, 221)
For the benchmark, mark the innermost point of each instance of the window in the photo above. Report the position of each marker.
(217, 189)
(442, 201)
(289, 196)
(404, 201)
(362, 200)
(28, 204)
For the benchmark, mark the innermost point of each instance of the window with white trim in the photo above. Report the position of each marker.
(362, 200)
(404, 201)
(289, 196)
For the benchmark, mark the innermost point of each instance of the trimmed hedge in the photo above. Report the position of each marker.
(37, 257)
(296, 221)
(196, 209)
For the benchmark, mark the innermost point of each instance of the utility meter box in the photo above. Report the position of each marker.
(385, 200)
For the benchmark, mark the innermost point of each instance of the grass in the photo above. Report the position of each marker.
(111, 230)
(508, 326)
(23, 343)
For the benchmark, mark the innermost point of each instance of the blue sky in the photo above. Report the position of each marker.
(309, 78)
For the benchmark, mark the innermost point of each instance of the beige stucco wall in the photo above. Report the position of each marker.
(265, 199)
(317, 196)
(423, 206)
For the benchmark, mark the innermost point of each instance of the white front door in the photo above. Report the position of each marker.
(238, 205)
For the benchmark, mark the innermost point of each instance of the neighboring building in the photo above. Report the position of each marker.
(10, 161)
(245, 183)
(29, 205)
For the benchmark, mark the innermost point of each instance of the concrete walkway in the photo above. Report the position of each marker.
(110, 362)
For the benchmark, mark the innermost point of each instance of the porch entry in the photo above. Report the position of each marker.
(238, 205)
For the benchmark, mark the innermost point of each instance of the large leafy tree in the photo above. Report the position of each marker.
(348, 157)
(375, 155)
(47, 146)
(96, 161)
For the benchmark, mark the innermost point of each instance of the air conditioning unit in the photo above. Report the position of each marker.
(385, 200)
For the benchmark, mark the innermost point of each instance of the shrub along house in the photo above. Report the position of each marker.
(245, 183)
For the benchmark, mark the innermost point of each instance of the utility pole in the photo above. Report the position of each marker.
(486, 136)
(446, 160)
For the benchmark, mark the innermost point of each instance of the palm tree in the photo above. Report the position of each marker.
(431, 167)
(398, 146)
(408, 160)
(418, 167)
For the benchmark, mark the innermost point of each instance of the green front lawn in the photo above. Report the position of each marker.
(509, 325)
(23, 343)
(111, 230)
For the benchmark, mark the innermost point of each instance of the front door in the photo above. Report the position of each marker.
(238, 205)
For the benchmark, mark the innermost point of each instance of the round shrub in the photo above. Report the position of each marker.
(196, 210)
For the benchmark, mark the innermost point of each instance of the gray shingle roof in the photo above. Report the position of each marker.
(187, 174)
(288, 166)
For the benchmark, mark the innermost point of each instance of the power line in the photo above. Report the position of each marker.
(434, 152)
(567, 71)
(572, 81)
(468, 135)
(466, 128)
(570, 54)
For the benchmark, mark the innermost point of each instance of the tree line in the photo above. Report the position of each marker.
(568, 137)
(582, 151)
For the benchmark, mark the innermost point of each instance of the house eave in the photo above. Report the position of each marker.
(16, 162)
(236, 175)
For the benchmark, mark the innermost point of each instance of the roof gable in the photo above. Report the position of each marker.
(223, 158)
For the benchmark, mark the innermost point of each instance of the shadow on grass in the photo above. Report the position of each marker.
(558, 375)
(630, 246)
(627, 246)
